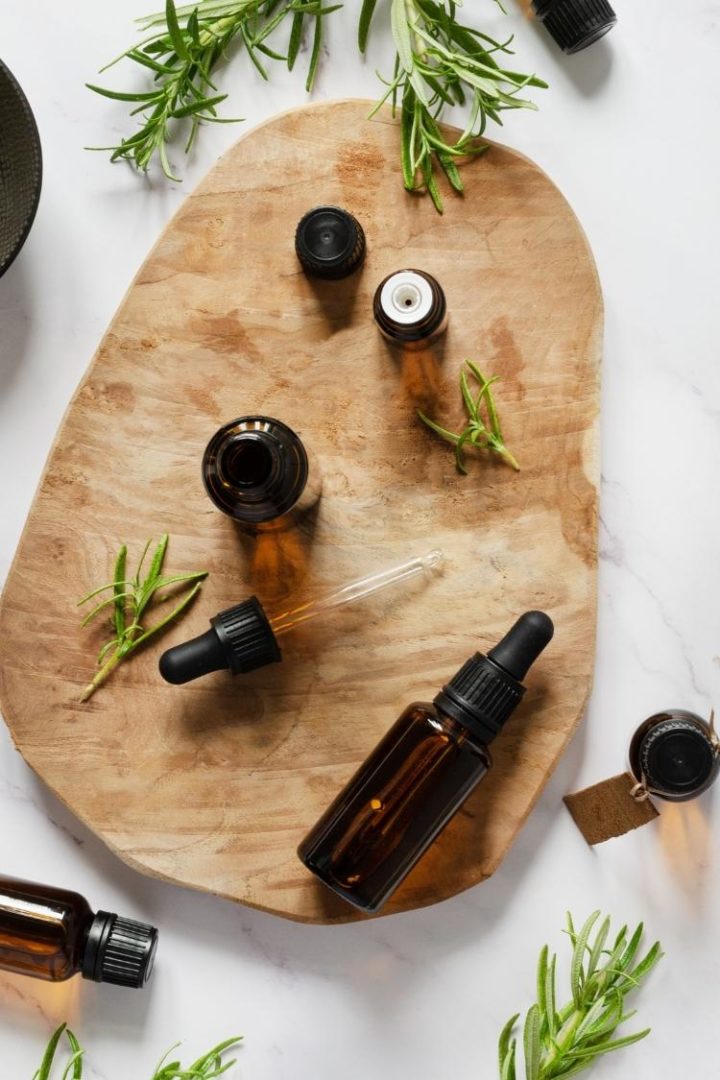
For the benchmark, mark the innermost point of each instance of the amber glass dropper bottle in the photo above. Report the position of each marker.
(420, 773)
(53, 934)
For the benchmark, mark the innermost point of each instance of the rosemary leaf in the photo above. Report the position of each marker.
(366, 14)
(504, 1042)
(118, 591)
(49, 1056)
(577, 967)
(531, 1043)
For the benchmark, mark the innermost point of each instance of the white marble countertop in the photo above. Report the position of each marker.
(628, 131)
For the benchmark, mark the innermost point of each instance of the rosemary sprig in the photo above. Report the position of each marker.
(439, 62)
(129, 600)
(183, 46)
(206, 1067)
(483, 432)
(73, 1067)
(560, 1042)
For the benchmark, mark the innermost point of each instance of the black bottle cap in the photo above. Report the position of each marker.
(575, 24)
(487, 689)
(679, 755)
(241, 639)
(119, 951)
(330, 242)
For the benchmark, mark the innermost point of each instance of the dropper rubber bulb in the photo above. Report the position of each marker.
(243, 638)
(523, 643)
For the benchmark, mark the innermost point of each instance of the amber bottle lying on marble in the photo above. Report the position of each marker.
(53, 934)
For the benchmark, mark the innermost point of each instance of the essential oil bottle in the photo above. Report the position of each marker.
(420, 773)
(410, 309)
(259, 472)
(53, 934)
(675, 755)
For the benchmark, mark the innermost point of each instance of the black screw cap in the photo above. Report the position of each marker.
(679, 756)
(329, 242)
(487, 689)
(241, 639)
(119, 950)
(575, 24)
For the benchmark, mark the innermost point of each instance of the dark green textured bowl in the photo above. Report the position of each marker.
(20, 168)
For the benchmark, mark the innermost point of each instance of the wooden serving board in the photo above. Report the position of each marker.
(213, 785)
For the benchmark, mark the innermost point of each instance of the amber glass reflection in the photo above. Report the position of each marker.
(42, 930)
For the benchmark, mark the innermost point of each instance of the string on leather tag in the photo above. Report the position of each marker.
(610, 808)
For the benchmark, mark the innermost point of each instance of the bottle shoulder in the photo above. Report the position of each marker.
(427, 714)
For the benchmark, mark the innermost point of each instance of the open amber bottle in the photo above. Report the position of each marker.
(258, 471)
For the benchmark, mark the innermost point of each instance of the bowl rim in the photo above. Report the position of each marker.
(35, 136)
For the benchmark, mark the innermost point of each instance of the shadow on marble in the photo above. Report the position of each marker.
(686, 842)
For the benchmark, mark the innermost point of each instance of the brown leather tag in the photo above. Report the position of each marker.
(608, 809)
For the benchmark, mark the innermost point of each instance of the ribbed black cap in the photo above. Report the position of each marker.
(487, 689)
(329, 242)
(241, 640)
(246, 636)
(481, 696)
(119, 950)
(575, 24)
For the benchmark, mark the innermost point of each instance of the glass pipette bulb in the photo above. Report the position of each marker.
(357, 590)
(244, 638)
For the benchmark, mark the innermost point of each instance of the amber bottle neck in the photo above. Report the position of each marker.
(459, 732)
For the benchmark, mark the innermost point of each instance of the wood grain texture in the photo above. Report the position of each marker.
(213, 785)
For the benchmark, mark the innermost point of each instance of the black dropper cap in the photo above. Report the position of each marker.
(575, 24)
(241, 640)
(330, 242)
(487, 689)
(119, 950)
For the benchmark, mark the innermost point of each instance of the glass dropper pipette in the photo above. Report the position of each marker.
(356, 590)
(244, 637)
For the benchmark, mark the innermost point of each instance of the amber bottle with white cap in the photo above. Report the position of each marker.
(410, 309)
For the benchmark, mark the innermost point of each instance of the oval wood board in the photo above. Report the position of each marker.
(214, 784)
